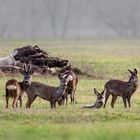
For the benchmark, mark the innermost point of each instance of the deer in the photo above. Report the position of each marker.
(125, 89)
(99, 100)
(46, 92)
(16, 89)
(71, 87)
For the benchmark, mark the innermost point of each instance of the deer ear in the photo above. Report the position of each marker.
(24, 66)
(95, 91)
(60, 76)
(131, 71)
(21, 71)
(29, 66)
(135, 71)
(32, 71)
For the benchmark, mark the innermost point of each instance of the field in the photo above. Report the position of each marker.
(101, 59)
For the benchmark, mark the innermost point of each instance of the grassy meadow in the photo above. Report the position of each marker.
(101, 59)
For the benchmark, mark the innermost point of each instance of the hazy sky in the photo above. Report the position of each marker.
(69, 18)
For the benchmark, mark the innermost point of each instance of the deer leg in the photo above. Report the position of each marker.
(20, 100)
(124, 101)
(106, 98)
(15, 101)
(53, 105)
(60, 102)
(66, 99)
(63, 99)
(74, 92)
(17, 104)
(129, 101)
(7, 100)
(17, 98)
(73, 99)
(113, 101)
(30, 101)
(73, 96)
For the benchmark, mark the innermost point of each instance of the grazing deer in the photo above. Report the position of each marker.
(122, 88)
(99, 101)
(71, 87)
(15, 89)
(49, 93)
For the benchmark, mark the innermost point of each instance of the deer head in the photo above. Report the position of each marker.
(100, 96)
(27, 72)
(64, 79)
(134, 77)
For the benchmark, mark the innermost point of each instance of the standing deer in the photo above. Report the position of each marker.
(15, 89)
(122, 88)
(71, 87)
(99, 101)
(49, 93)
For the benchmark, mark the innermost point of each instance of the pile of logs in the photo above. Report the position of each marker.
(38, 57)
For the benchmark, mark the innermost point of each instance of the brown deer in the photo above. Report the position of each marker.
(121, 88)
(99, 100)
(71, 87)
(49, 93)
(15, 89)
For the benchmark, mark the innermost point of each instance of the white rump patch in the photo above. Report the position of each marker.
(70, 78)
(11, 87)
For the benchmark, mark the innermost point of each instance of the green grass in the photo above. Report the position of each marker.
(105, 60)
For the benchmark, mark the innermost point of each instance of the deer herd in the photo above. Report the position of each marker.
(67, 87)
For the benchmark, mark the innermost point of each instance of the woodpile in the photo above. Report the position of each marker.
(38, 57)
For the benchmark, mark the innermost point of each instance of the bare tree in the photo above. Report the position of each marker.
(52, 7)
(123, 24)
(66, 19)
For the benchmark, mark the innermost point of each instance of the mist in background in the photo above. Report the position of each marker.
(22, 19)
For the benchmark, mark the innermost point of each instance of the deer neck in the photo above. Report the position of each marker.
(24, 86)
(61, 90)
(133, 84)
